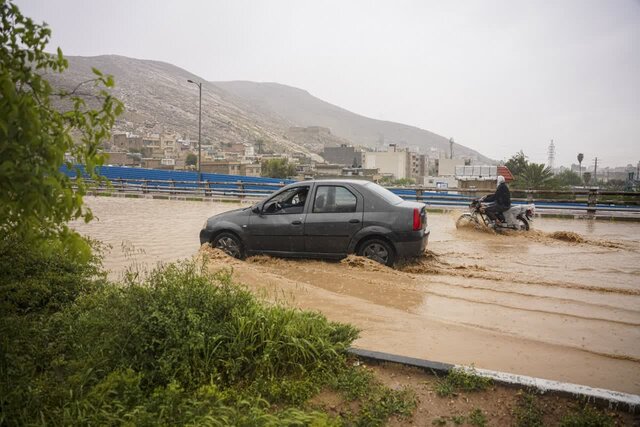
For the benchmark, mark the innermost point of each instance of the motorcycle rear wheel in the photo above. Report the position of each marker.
(523, 224)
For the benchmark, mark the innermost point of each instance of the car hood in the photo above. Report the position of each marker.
(232, 213)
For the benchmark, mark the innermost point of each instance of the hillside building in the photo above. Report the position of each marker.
(228, 167)
(344, 155)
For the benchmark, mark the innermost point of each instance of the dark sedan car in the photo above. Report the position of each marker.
(323, 219)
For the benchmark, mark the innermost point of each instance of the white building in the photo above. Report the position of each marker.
(396, 163)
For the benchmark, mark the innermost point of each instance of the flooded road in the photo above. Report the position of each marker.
(561, 302)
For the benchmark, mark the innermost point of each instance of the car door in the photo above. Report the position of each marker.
(279, 226)
(332, 219)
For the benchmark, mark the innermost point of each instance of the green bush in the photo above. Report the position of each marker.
(181, 347)
(47, 276)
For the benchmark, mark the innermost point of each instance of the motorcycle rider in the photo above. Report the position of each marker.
(501, 201)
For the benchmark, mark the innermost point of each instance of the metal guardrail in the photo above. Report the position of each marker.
(589, 201)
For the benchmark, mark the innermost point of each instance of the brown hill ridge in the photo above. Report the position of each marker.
(158, 98)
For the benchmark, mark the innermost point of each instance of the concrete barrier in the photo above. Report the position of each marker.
(597, 396)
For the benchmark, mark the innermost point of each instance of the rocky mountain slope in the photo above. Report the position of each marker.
(158, 98)
(299, 107)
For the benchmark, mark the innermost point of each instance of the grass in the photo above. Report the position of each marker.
(461, 380)
(182, 346)
(477, 418)
(586, 416)
(527, 412)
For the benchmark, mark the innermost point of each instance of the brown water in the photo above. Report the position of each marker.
(561, 302)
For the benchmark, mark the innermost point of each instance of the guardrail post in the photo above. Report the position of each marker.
(241, 188)
(529, 196)
(173, 186)
(418, 194)
(145, 184)
(592, 200)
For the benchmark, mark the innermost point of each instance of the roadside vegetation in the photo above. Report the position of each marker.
(182, 346)
(458, 380)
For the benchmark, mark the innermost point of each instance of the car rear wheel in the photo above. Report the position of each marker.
(379, 251)
(230, 244)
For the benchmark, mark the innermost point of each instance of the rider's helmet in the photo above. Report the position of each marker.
(500, 180)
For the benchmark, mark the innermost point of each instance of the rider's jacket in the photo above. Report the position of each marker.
(503, 196)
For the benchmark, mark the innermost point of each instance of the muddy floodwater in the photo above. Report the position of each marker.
(561, 302)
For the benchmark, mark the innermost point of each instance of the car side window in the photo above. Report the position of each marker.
(334, 199)
(291, 201)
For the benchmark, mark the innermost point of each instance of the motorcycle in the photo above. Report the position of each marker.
(517, 217)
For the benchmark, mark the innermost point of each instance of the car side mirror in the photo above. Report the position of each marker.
(257, 209)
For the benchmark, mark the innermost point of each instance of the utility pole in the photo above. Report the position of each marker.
(595, 170)
(199, 128)
(451, 148)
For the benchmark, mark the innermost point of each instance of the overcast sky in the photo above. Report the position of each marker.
(497, 76)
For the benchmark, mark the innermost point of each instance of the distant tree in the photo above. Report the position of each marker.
(616, 184)
(580, 159)
(191, 160)
(586, 177)
(278, 168)
(387, 180)
(568, 178)
(517, 164)
(37, 198)
(536, 176)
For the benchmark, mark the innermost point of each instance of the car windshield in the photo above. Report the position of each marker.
(384, 193)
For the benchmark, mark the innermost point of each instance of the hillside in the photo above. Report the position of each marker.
(158, 98)
(301, 108)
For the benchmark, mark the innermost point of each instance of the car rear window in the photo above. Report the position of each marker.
(384, 193)
(334, 199)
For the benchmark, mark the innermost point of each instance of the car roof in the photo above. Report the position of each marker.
(360, 182)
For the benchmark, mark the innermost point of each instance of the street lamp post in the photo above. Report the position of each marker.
(199, 129)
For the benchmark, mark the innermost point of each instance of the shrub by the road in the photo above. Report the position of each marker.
(181, 347)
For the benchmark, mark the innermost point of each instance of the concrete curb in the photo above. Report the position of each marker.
(598, 396)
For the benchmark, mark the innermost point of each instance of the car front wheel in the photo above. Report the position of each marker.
(379, 251)
(229, 244)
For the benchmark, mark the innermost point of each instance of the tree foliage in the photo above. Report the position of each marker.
(536, 176)
(530, 175)
(568, 178)
(278, 168)
(517, 163)
(191, 160)
(37, 139)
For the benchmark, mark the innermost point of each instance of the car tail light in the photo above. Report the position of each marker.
(417, 220)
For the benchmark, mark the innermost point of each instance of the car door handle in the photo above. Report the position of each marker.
(354, 221)
(296, 222)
